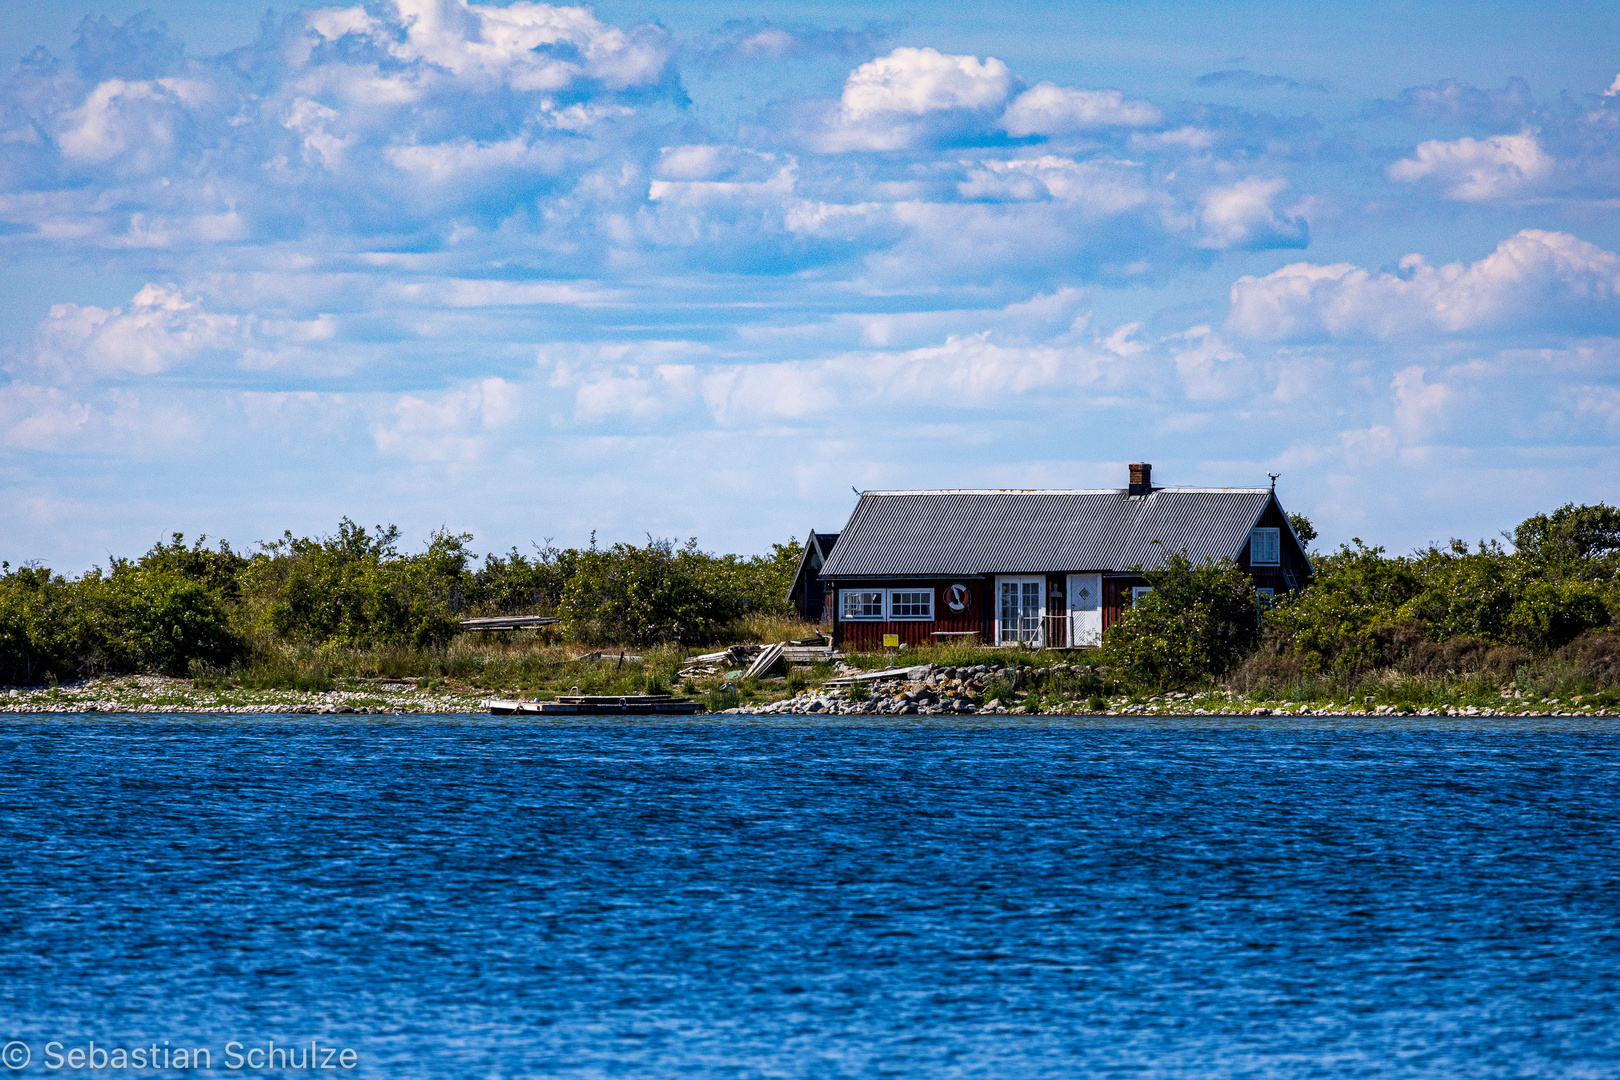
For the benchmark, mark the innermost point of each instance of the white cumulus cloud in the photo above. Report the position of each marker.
(1241, 215)
(159, 329)
(1101, 187)
(1419, 406)
(1049, 109)
(1532, 275)
(889, 102)
(917, 81)
(1473, 170)
(452, 426)
(526, 46)
(40, 418)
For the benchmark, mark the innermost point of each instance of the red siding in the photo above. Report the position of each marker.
(864, 636)
(1116, 598)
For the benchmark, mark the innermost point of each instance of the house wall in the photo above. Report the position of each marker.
(1117, 597)
(807, 596)
(1292, 559)
(863, 635)
(980, 616)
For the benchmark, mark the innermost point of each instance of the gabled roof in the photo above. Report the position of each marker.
(819, 545)
(971, 532)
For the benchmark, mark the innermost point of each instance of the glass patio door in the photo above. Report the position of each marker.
(1019, 610)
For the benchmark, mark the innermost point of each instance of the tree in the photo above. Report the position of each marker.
(1568, 534)
(1304, 531)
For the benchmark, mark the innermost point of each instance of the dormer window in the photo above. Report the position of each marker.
(1265, 547)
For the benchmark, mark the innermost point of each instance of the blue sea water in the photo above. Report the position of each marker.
(788, 897)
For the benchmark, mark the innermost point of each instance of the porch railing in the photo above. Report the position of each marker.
(1046, 631)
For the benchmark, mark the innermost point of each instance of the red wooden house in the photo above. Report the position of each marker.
(1041, 568)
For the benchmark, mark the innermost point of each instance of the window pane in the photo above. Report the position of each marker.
(863, 605)
(1264, 547)
(911, 604)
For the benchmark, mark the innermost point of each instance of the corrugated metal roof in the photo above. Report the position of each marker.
(969, 532)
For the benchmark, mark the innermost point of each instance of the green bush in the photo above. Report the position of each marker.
(516, 583)
(143, 616)
(1195, 623)
(160, 621)
(355, 588)
(1548, 615)
(47, 630)
(1344, 619)
(663, 593)
(998, 689)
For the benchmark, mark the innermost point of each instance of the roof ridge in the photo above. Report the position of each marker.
(1054, 491)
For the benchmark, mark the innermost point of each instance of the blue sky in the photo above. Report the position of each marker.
(701, 268)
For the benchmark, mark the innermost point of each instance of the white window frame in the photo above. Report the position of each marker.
(1039, 629)
(847, 595)
(1139, 591)
(889, 605)
(1273, 541)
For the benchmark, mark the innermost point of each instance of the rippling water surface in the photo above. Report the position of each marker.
(788, 898)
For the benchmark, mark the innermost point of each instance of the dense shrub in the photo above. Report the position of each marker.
(1195, 623)
(161, 621)
(1548, 614)
(355, 588)
(1594, 657)
(46, 628)
(160, 614)
(1346, 616)
(1571, 536)
(663, 593)
(1366, 609)
(517, 583)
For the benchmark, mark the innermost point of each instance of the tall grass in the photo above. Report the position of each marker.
(760, 628)
(518, 667)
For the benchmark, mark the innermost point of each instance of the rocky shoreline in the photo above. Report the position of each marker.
(158, 694)
(929, 691)
(947, 691)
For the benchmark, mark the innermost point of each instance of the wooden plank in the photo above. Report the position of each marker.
(767, 658)
(873, 676)
(508, 622)
(806, 655)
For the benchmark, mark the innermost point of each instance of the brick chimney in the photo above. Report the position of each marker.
(1141, 478)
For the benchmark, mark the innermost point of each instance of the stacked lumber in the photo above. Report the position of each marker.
(768, 657)
(715, 663)
(756, 661)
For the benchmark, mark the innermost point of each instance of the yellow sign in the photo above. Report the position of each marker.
(891, 641)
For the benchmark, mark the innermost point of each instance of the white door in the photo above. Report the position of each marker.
(1085, 609)
(1020, 605)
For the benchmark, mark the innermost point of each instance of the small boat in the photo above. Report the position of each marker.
(597, 705)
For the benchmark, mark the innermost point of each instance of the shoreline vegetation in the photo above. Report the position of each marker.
(348, 622)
